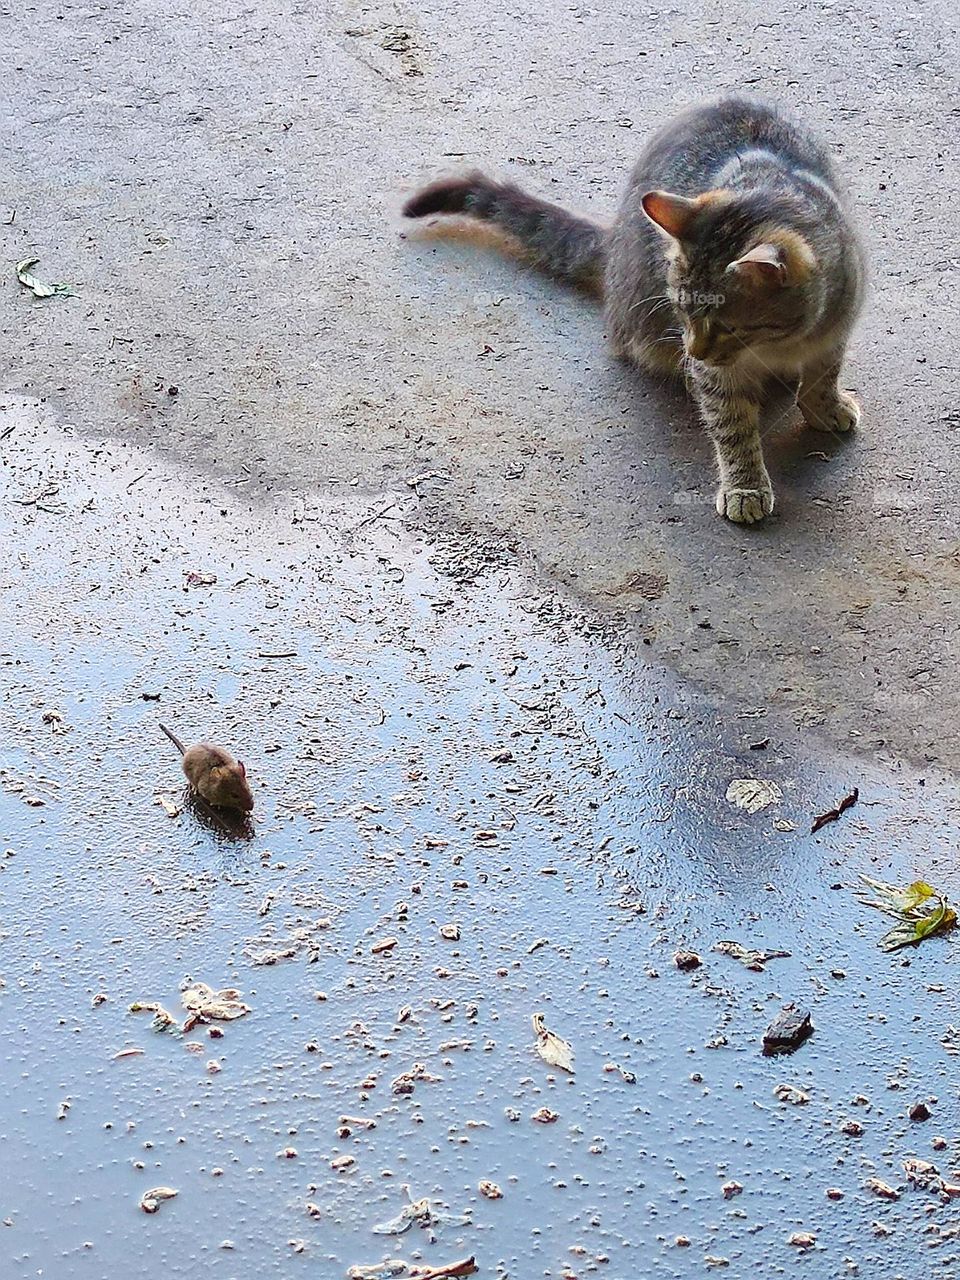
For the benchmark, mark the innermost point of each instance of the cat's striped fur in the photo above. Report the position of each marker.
(733, 258)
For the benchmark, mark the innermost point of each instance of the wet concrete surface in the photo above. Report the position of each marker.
(428, 750)
(416, 474)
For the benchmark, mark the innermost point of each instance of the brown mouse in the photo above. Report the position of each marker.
(214, 774)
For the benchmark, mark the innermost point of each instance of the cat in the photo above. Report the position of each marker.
(733, 260)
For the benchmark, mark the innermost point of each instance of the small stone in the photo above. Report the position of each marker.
(686, 960)
(939, 1143)
(545, 1116)
(788, 1030)
(489, 1189)
(833, 1193)
(731, 1189)
(802, 1240)
(919, 1112)
(852, 1128)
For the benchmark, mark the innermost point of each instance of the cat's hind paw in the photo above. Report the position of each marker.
(744, 506)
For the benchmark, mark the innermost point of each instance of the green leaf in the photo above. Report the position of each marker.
(910, 904)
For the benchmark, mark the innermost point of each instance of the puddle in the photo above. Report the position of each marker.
(424, 752)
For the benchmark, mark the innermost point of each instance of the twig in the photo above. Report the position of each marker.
(376, 515)
(465, 1267)
(833, 814)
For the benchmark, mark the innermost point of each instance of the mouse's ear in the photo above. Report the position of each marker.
(243, 768)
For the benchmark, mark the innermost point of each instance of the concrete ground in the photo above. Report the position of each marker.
(413, 467)
(222, 186)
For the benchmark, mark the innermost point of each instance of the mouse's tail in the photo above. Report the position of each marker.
(565, 244)
(175, 740)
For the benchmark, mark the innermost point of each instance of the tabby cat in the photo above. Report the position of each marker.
(732, 259)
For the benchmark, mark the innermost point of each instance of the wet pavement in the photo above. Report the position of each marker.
(427, 748)
(380, 514)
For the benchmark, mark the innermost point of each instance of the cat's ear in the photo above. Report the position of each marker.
(670, 214)
(784, 260)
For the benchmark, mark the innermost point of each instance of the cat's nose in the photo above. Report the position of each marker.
(698, 344)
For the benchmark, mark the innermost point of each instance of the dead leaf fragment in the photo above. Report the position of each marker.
(881, 1189)
(791, 1093)
(39, 288)
(555, 1051)
(163, 1019)
(151, 1200)
(753, 794)
(755, 960)
(203, 1004)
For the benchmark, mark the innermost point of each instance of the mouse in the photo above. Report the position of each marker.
(214, 774)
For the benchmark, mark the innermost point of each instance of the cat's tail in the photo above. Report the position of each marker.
(568, 246)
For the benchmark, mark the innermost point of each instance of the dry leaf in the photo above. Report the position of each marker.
(754, 960)
(882, 1189)
(555, 1051)
(753, 794)
(151, 1200)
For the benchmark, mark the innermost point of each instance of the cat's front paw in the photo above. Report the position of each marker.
(744, 506)
(841, 414)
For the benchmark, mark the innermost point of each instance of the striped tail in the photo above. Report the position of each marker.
(569, 247)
